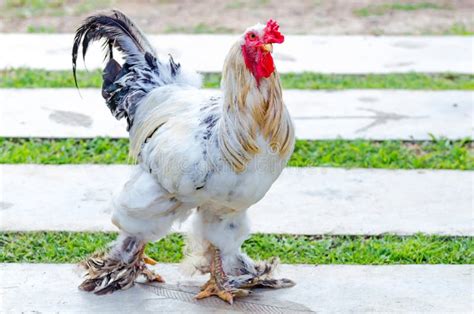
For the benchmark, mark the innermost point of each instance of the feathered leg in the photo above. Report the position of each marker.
(118, 268)
(214, 246)
(144, 212)
(219, 284)
(258, 274)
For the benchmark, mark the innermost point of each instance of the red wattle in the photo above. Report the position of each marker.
(265, 65)
(260, 63)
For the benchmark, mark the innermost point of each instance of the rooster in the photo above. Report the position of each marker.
(212, 155)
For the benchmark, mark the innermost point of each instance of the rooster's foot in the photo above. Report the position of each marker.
(151, 275)
(219, 284)
(222, 290)
(108, 272)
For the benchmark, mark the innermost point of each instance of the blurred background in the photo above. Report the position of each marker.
(415, 17)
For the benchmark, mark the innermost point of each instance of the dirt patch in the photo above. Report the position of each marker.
(211, 16)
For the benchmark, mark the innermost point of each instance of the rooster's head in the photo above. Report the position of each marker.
(257, 48)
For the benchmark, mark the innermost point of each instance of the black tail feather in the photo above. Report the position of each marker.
(118, 31)
(109, 75)
(124, 86)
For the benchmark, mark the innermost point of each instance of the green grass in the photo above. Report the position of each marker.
(436, 154)
(385, 8)
(71, 247)
(459, 29)
(67, 151)
(29, 78)
(40, 29)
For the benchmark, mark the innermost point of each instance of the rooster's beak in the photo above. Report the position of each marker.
(267, 48)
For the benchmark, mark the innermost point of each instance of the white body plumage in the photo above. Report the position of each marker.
(217, 154)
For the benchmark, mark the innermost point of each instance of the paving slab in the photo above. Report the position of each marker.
(302, 201)
(325, 54)
(325, 289)
(353, 114)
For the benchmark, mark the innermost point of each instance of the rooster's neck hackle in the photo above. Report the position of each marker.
(251, 110)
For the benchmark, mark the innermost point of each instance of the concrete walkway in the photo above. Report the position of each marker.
(326, 54)
(302, 201)
(325, 289)
(352, 114)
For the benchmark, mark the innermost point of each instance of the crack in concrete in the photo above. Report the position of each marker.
(379, 117)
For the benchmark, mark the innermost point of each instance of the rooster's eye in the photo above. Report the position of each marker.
(252, 36)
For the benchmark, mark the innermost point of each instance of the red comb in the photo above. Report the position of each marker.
(272, 34)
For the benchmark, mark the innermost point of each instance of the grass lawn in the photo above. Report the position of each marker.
(436, 154)
(29, 78)
(71, 247)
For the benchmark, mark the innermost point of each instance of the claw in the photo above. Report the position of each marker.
(211, 289)
(148, 260)
(152, 276)
(149, 274)
(225, 293)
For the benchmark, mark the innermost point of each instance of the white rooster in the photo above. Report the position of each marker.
(215, 155)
